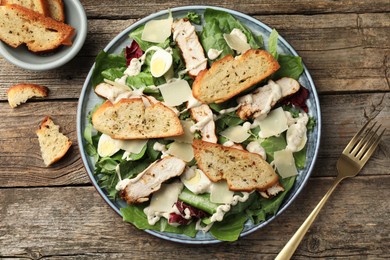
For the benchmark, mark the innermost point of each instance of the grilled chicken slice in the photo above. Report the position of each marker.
(185, 36)
(112, 92)
(204, 122)
(272, 191)
(260, 102)
(149, 181)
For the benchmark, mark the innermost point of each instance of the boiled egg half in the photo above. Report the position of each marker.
(195, 180)
(160, 63)
(108, 146)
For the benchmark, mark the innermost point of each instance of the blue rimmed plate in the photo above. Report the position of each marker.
(88, 100)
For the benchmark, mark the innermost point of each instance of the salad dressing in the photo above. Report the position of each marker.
(223, 209)
(196, 65)
(296, 134)
(228, 110)
(212, 54)
(255, 147)
(202, 123)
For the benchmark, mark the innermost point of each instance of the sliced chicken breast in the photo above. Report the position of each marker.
(204, 122)
(112, 92)
(149, 181)
(186, 38)
(272, 191)
(264, 98)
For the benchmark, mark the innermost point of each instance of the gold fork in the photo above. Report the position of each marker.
(351, 161)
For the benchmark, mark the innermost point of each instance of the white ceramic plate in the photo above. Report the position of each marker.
(88, 100)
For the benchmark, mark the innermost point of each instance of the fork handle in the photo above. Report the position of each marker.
(289, 249)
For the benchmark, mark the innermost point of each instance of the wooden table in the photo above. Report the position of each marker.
(56, 213)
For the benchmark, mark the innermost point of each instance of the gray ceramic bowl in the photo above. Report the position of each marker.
(22, 57)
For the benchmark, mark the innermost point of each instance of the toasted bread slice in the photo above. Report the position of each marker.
(129, 119)
(243, 171)
(53, 143)
(20, 25)
(38, 6)
(20, 93)
(56, 10)
(230, 76)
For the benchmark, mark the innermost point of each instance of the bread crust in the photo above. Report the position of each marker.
(20, 93)
(226, 84)
(248, 171)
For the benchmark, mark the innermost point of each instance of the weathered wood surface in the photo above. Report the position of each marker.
(74, 222)
(344, 52)
(55, 212)
(20, 149)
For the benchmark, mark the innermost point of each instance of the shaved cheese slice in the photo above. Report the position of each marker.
(274, 124)
(163, 199)
(285, 163)
(237, 134)
(157, 31)
(220, 193)
(133, 146)
(188, 136)
(182, 151)
(176, 92)
(236, 43)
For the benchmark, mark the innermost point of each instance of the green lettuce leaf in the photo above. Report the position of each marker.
(134, 214)
(194, 17)
(106, 61)
(262, 208)
(228, 22)
(113, 73)
(273, 144)
(212, 38)
(230, 228)
(273, 43)
(300, 158)
(290, 66)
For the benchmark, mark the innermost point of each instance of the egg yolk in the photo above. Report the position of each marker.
(194, 179)
(158, 67)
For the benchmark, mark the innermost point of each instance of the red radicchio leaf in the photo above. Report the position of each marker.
(298, 99)
(179, 218)
(134, 51)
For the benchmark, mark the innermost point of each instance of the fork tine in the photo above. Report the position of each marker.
(366, 142)
(372, 148)
(354, 139)
(362, 141)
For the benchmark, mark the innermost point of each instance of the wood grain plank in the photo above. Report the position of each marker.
(19, 149)
(344, 52)
(75, 223)
(21, 162)
(133, 9)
